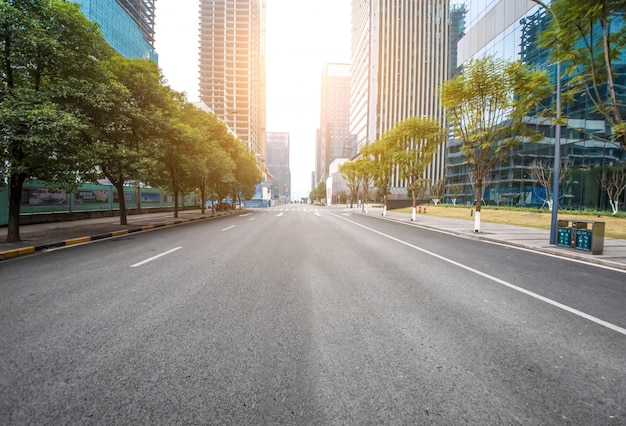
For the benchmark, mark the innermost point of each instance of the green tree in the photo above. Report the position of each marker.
(365, 168)
(349, 171)
(589, 38)
(413, 143)
(209, 163)
(177, 150)
(50, 74)
(318, 193)
(247, 174)
(128, 130)
(380, 155)
(488, 104)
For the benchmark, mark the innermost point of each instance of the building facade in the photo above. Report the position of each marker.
(278, 165)
(508, 29)
(127, 25)
(333, 140)
(399, 59)
(232, 67)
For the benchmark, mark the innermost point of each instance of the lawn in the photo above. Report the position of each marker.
(615, 227)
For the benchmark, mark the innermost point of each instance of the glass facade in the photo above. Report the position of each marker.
(509, 29)
(132, 37)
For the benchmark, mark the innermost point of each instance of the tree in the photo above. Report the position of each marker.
(613, 181)
(543, 174)
(455, 190)
(412, 143)
(350, 173)
(487, 107)
(365, 169)
(589, 37)
(177, 149)
(379, 154)
(438, 191)
(318, 193)
(247, 173)
(50, 72)
(127, 132)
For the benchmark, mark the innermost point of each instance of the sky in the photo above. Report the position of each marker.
(301, 37)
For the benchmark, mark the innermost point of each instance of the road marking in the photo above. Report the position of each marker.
(252, 218)
(154, 257)
(497, 280)
(227, 228)
(279, 214)
(245, 214)
(316, 213)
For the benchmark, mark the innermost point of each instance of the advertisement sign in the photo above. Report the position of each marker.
(43, 197)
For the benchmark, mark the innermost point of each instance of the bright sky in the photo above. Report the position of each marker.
(301, 38)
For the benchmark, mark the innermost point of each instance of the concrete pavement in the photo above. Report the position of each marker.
(44, 236)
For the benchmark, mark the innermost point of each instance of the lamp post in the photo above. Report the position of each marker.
(557, 143)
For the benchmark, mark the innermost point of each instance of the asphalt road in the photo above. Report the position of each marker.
(309, 316)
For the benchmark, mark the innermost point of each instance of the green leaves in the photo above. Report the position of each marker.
(589, 37)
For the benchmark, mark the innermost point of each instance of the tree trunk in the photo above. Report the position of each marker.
(203, 199)
(414, 209)
(479, 201)
(119, 185)
(176, 203)
(15, 198)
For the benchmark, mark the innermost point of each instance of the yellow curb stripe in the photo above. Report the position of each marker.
(147, 227)
(77, 240)
(117, 233)
(169, 223)
(25, 250)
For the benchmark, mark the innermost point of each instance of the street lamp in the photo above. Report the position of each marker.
(557, 143)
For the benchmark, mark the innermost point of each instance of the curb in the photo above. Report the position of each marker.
(565, 253)
(13, 253)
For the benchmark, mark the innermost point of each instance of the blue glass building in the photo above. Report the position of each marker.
(508, 29)
(128, 25)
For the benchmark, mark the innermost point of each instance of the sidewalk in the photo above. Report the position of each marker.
(44, 236)
(613, 255)
(57, 234)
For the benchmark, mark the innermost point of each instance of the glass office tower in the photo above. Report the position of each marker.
(508, 29)
(127, 25)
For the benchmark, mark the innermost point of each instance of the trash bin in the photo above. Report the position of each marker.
(581, 235)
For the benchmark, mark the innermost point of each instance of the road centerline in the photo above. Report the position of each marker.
(154, 257)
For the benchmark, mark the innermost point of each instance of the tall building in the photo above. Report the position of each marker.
(333, 140)
(509, 29)
(278, 165)
(127, 25)
(232, 67)
(399, 59)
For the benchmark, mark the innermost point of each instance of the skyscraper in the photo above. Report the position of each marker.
(399, 59)
(232, 67)
(278, 164)
(334, 135)
(127, 25)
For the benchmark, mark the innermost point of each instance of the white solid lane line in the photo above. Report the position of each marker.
(498, 280)
(154, 257)
(230, 227)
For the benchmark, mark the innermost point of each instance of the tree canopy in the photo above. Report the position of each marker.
(73, 110)
(488, 106)
(589, 38)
